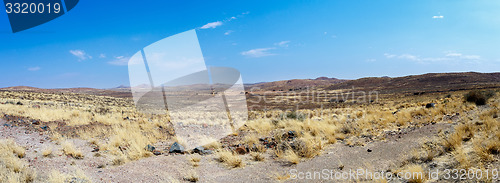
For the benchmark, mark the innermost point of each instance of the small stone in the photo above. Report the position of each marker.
(44, 127)
(430, 105)
(369, 150)
(19, 103)
(176, 148)
(156, 152)
(240, 150)
(199, 150)
(150, 148)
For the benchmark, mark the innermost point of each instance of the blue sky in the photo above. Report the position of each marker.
(266, 40)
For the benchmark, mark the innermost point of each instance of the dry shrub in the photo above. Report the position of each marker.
(76, 176)
(194, 160)
(478, 97)
(418, 174)
(291, 157)
(192, 176)
(281, 177)
(119, 160)
(230, 159)
(462, 158)
(257, 156)
(307, 147)
(47, 152)
(12, 167)
(69, 149)
(463, 132)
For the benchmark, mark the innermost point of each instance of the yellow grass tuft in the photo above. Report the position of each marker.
(69, 149)
(76, 176)
(291, 157)
(230, 159)
(257, 156)
(12, 167)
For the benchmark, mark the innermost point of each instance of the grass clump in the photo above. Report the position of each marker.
(69, 149)
(12, 167)
(230, 159)
(192, 176)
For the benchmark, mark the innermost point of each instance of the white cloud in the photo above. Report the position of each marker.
(34, 68)
(228, 32)
(409, 57)
(471, 57)
(102, 55)
(259, 52)
(449, 56)
(389, 55)
(282, 43)
(371, 60)
(438, 17)
(80, 54)
(211, 25)
(120, 60)
(462, 56)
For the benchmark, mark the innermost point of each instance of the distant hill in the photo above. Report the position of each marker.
(82, 90)
(295, 84)
(432, 82)
(423, 83)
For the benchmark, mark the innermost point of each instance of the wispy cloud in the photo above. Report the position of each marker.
(80, 54)
(449, 56)
(387, 55)
(211, 25)
(438, 17)
(119, 60)
(371, 60)
(259, 52)
(34, 68)
(462, 56)
(228, 32)
(282, 43)
(102, 55)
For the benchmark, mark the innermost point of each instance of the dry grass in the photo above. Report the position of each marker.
(257, 156)
(230, 159)
(115, 120)
(417, 172)
(12, 167)
(281, 177)
(69, 149)
(120, 131)
(192, 176)
(47, 152)
(76, 176)
(291, 157)
(194, 160)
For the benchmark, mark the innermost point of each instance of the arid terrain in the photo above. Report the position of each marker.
(414, 124)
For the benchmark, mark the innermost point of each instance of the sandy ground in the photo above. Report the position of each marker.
(172, 168)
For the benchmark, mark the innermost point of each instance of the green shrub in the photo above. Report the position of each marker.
(479, 97)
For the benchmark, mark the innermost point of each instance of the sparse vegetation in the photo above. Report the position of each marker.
(192, 176)
(229, 158)
(69, 149)
(479, 97)
(118, 132)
